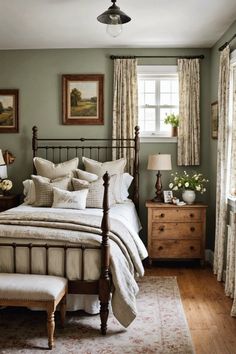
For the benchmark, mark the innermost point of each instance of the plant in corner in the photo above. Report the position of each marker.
(173, 120)
(189, 183)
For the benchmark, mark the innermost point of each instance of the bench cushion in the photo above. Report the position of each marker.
(31, 287)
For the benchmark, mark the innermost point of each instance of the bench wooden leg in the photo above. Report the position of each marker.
(63, 311)
(51, 327)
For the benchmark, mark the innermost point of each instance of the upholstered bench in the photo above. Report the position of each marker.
(40, 291)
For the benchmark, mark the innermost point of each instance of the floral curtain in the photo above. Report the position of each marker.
(232, 187)
(125, 117)
(189, 126)
(222, 153)
(230, 285)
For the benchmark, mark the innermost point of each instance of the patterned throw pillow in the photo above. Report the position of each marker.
(100, 168)
(69, 200)
(51, 170)
(44, 189)
(96, 191)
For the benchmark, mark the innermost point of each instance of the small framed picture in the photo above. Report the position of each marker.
(214, 120)
(9, 111)
(168, 195)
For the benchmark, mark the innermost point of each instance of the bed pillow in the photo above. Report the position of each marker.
(29, 191)
(121, 187)
(69, 200)
(51, 170)
(87, 176)
(44, 189)
(100, 168)
(96, 191)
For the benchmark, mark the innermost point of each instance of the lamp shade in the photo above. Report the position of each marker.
(3, 171)
(159, 162)
(2, 161)
(113, 15)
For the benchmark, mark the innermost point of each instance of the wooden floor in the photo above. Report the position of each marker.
(206, 307)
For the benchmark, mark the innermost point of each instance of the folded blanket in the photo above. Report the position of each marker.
(126, 253)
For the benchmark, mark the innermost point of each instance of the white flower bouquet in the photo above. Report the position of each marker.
(6, 185)
(194, 181)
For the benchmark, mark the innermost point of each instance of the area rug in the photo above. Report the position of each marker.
(160, 327)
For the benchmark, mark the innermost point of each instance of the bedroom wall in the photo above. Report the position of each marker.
(37, 74)
(214, 66)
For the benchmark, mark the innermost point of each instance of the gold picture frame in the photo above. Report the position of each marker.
(82, 99)
(214, 120)
(9, 115)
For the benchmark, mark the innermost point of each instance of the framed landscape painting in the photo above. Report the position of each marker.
(82, 99)
(9, 111)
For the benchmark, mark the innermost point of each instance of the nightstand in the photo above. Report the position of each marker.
(176, 232)
(9, 201)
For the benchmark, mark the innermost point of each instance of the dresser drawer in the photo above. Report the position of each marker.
(179, 230)
(176, 214)
(175, 249)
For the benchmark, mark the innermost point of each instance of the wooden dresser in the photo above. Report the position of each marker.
(176, 232)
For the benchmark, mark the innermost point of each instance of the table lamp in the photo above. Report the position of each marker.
(159, 162)
(3, 167)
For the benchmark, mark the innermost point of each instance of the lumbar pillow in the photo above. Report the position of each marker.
(100, 168)
(96, 191)
(69, 200)
(86, 176)
(44, 189)
(51, 170)
(29, 191)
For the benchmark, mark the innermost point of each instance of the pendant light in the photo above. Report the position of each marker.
(114, 19)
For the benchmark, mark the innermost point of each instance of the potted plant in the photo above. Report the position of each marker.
(189, 183)
(173, 120)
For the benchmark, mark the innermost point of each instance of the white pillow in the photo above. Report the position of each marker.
(96, 191)
(87, 176)
(51, 170)
(29, 191)
(100, 168)
(121, 187)
(69, 200)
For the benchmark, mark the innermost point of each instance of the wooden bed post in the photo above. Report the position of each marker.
(34, 144)
(136, 168)
(104, 281)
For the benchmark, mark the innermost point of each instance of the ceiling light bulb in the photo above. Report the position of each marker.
(114, 30)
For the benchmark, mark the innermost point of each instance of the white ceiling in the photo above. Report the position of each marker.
(72, 23)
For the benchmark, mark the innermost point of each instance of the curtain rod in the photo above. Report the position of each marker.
(226, 43)
(157, 56)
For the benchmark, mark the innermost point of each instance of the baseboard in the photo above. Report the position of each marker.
(209, 256)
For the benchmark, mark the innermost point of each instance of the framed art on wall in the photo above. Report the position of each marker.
(214, 120)
(82, 99)
(9, 120)
(168, 196)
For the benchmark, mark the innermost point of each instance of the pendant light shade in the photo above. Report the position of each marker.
(113, 18)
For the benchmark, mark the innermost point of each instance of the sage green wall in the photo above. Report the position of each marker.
(214, 65)
(37, 74)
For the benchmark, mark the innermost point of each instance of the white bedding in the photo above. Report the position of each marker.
(125, 213)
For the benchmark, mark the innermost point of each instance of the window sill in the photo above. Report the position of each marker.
(158, 139)
(231, 200)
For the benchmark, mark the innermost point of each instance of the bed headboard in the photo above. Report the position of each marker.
(58, 150)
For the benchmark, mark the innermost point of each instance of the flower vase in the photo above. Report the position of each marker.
(174, 131)
(188, 196)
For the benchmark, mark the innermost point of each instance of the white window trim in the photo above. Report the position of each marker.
(158, 70)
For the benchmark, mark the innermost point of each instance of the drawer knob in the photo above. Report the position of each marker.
(162, 215)
(191, 248)
(160, 248)
(191, 215)
(161, 228)
(192, 228)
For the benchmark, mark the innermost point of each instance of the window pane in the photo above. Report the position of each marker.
(175, 99)
(150, 86)
(140, 85)
(150, 99)
(175, 86)
(165, 86)
(163, 113)
(150, 114)
(165, 127)
(165, 99)
(141, 114)
(150, 126)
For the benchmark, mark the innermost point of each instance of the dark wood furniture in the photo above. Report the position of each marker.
(58, 150)
(9, 201)
(176, 232)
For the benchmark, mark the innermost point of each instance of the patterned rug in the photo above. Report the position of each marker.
(160, 327)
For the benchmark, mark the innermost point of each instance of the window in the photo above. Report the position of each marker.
(158, 96)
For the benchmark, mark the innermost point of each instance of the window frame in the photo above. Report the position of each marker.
(157, 72)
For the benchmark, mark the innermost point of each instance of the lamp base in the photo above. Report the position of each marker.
(159, 198)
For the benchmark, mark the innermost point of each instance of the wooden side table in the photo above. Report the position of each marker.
(9, 201)
(176, 232)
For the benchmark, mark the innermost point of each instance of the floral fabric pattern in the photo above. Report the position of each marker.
(233, 142)
(189, 125)
(221, 197)
(125, 116)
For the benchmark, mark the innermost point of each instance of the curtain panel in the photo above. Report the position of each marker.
(222, 163)
(125, 116)
(189, 112)
(232, 187)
